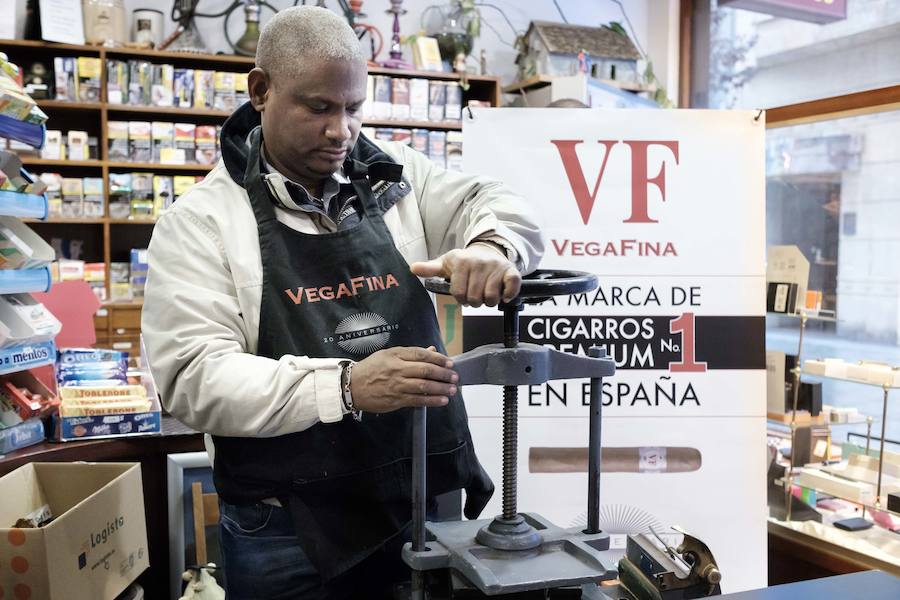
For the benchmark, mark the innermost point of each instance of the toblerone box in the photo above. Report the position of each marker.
(95, 546)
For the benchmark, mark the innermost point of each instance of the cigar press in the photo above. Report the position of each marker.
(515, 552)
(520, 554)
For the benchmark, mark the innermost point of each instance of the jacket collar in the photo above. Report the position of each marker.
(366, 159)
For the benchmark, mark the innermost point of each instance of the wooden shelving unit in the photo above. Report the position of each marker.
(110, 239)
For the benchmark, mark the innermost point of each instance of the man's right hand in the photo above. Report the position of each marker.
(398, 377)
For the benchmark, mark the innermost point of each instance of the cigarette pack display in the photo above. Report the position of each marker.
(140, 82)
(95, 272)
(71, 270)
(224, 91)
(163, 193)
(367, 108)
(93, 197)
(437, 146)
(141, 196)
(437, 98)
(119, 272)
(184, 88)
(138, 271)
(418, 99)
(117, 138)
(404, 136)
(453, 101)
(381, 105)
(181, 184)
(53, 181)
(454, 150)
(139, 141)
(384, 133)
(72, 196)
(241, 93)
(76, 143)
(22, 248)
(162, 92)
(65, 72)
(205, 140)
(184, 141)
(419, 140)
(400, 98)
(120, 184)
(89, 69)
(93, 148)
(116, 81)
(163, 135)
(53, 147)
(204, 88)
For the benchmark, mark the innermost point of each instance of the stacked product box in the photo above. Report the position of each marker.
(162, 142)
(71, 145)
(145, 195)
(138, 271)
(74, 197)
(142, 83)
(97, 399)
(403, 98)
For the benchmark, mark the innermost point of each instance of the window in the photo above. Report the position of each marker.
(832, 184)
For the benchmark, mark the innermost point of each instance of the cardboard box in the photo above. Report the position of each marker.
(95, 546)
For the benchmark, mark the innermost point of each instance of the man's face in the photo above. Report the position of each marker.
(311, 122)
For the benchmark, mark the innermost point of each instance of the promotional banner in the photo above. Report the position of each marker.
(667, 207)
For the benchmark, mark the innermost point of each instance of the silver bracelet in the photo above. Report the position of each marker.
(346, 394)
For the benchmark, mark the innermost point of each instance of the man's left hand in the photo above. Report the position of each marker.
(478, 275)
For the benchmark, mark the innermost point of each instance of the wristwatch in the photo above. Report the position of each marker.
(346, 395)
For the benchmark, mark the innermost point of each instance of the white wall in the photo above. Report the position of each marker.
(500, 56)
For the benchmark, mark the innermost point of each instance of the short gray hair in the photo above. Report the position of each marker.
(300, 33)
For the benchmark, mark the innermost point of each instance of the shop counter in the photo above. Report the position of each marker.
(871, 585)
(805, 550)
(151, 452)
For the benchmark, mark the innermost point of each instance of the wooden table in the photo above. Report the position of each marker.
(151, 452)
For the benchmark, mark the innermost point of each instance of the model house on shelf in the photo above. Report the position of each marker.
(559, 49)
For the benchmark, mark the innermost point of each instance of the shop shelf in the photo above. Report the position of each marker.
(27, 133)
(26, 356)
(15, 204)
(18, 281)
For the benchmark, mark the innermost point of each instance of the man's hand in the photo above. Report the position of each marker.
(399, 377)
(478, 275)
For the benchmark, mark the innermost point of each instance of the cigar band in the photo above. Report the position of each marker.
(652, 460)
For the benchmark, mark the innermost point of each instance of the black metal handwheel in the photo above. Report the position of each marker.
(536, 286)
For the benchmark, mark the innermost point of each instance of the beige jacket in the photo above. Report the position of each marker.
(202, 299)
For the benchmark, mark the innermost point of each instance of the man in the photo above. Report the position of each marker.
(284, 303)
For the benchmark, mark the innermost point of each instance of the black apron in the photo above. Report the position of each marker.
(345, 294)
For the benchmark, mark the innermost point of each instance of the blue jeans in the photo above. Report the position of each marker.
(265, 561)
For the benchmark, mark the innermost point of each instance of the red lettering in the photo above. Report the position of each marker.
(343, 290)
(312, 295)
(376, 283)
(577, 248)
(326, 293)
(560, 249)
(569, 156)
(391, 281)
(641, 180)
(298, 297)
